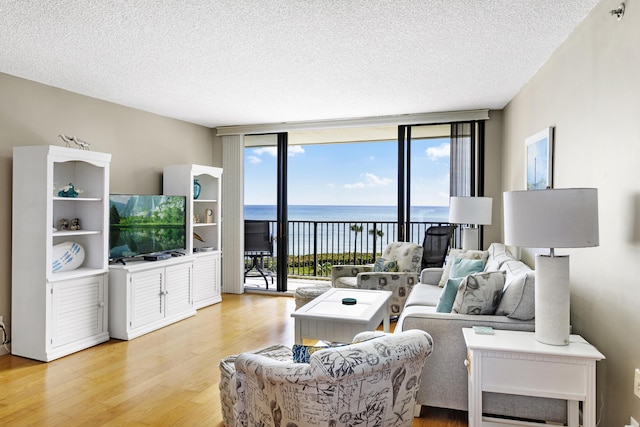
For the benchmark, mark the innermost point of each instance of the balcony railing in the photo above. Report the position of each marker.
(315, 246)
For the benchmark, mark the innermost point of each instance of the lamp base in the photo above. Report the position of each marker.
(552, 299)
(470, 238)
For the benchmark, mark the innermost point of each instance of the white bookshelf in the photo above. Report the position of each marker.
(57, 313)
(203, 231)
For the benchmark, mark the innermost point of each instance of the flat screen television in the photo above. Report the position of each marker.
(146, 224)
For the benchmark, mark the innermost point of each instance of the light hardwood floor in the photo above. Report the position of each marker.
(166, 378)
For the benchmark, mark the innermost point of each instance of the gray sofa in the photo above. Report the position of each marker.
(444, 378)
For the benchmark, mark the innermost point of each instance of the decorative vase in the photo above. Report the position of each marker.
(196, 189)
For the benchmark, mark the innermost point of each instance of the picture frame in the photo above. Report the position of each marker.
(539, 160)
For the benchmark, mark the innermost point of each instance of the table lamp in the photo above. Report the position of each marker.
(553, 218)
(472, 211)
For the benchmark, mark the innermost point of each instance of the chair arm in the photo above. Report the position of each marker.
(388, 351)
(431, 276)
(271, 369)
(401, 284)
(338, 271)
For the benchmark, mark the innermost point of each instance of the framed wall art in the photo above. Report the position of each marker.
(539, 160)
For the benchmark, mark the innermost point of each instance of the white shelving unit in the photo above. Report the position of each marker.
(58, 313)
(203, 225)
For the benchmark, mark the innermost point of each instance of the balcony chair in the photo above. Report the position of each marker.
(436, 243)
(396, 271)
(258, 244)
(374, 382)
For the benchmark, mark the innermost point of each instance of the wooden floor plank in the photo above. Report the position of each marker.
(168, 377)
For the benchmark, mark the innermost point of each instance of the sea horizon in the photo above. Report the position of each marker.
(365, 213)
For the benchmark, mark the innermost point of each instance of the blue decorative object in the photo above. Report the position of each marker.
(68, 191)
(196, 189)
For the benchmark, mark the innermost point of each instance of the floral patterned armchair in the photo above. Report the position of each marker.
(397, 271)
(371, 383)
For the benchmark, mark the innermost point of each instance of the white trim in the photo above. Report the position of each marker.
(403, 119)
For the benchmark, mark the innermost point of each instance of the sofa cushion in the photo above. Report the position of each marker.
(498, 254)
(460, 253)
(448, 295)
(461, 267)
(479, 293)
(424, 295)
(346, 282)
(518, 298)
(386, 265)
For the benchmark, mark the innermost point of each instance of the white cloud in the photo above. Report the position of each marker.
(272, 151)
(373, 180)
(254, 160)
(293, 150)
(356, 185)
(370, 180)
(435, 153)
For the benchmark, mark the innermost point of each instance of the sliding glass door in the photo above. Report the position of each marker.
(339, 196)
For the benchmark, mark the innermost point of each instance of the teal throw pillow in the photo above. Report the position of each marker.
(385, 265)
(448, 295)
(461, 267)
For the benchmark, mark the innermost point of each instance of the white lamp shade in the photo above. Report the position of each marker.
(554, 218)
(470, 210)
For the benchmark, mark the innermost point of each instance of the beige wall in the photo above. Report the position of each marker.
(493, 175)
(140, 143)
(589, 91)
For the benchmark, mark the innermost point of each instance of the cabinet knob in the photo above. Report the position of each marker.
(101, 304)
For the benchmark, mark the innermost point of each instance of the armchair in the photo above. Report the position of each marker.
(373, 382)
(408, 258)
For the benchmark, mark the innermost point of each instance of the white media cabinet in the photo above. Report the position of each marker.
(149, 295)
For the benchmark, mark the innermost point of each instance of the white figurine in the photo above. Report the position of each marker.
(83, 145)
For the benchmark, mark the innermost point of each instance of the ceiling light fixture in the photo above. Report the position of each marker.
(619, 12)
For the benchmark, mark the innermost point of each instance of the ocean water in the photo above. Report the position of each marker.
(348, 213)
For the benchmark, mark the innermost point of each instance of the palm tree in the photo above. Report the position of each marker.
(375, 233)
(356, 229)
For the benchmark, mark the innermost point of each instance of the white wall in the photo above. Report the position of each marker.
(140, 143)
(589, 90)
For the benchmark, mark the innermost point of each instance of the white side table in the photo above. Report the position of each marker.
(513, 362)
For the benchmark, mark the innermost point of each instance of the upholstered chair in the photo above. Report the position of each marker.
(396, 271)
(374, 382)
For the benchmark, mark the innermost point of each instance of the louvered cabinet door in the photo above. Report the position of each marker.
(179, 289)
(147, 301)
(78, 310)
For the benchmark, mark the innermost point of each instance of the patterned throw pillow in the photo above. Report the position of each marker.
(460, 253)
(302, 353)
(385, 265)
(479, 293)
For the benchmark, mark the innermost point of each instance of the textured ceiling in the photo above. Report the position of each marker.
(234, 62)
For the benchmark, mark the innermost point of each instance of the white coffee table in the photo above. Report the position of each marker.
(327, 318)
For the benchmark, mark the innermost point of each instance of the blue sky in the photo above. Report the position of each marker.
(363, 173)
